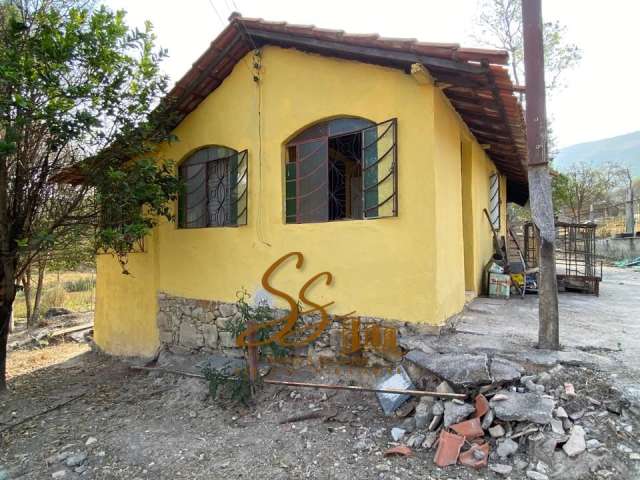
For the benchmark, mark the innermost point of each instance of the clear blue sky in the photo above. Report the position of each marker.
(601, 99)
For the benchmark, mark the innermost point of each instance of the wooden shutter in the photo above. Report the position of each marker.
(494, 201)
(379, 178)
(312, 181)
(239, 188)
(195, 195)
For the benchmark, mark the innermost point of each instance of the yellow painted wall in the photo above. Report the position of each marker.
(384, 268)
(464, 237)
(449, 232)
(483, 168)
(126, 305)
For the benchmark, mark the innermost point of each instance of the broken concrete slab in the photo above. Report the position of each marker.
(503, 370)
(408, 425)
(533, 475)
(507, 448)
(444, 387)
(424, 414)
(530, 407)
(576, 443)
(459, 369)
(501, 469)
(556, 426)
(455, 413)
(488, 419)
(541, 447)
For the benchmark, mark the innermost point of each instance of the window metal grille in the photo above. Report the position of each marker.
(216, 189)
(342, 169)
(494, 201)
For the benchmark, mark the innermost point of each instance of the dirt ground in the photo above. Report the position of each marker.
(76, 414)
(139, 425)
(607, 326)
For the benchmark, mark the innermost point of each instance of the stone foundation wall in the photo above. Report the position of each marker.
(188, 325)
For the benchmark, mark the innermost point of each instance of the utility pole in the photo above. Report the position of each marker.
(539, 178)
(630, 223)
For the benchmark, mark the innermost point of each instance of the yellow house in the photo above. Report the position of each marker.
(375, 158)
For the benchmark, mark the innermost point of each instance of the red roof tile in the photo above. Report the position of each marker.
(473, 79)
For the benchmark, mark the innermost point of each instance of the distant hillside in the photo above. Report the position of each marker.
(624, 149)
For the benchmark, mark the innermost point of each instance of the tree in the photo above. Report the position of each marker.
(582, 186)
(72, 246)
(80, 121)
(499, 24)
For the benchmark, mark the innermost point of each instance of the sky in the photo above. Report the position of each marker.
(601, 99)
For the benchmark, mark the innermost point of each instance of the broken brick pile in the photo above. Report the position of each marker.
(505, 412)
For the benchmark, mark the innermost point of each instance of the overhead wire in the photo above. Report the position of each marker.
(254, 71)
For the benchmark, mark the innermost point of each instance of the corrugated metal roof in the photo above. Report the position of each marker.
(476, 81)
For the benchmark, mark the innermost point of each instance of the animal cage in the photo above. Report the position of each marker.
(577, 265)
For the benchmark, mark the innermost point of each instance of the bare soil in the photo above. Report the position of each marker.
(139, 425)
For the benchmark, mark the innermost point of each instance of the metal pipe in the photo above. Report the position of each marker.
(352, 388)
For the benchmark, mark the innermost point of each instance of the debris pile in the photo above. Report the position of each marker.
(509, 420)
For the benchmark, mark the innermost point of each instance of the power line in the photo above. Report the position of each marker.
(222, 22)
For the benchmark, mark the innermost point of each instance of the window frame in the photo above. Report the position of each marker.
(303, 137)
(496, 223)
(236, 196)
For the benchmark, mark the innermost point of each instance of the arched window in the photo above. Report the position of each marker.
(341, 169)
(215, 193)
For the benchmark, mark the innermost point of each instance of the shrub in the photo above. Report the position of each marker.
(81, 284)
(53, 297)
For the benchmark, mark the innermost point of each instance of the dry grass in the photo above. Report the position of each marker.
(22, 362)
(55, 295)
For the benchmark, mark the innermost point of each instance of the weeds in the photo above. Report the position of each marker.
(260, 313)
(81, 284)
(236, 387)
(53, 297)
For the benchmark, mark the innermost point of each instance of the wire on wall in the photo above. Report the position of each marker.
(254, 71)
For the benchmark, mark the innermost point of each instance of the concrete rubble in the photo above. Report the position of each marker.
(461, 370)
(510, 421)
(521, 407)
(576, 443)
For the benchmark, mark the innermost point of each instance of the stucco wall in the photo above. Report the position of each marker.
(126, 305)
(448, 227)
(383, 268)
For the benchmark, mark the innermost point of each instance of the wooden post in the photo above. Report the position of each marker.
(252, 358)
(630, 223)
(539, 178)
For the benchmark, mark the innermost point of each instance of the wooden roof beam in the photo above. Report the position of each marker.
(373, 53)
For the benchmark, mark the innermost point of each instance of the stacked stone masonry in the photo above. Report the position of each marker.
(189, 325)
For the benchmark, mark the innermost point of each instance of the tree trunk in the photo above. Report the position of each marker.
(7, 296)
(12, 323)
(26, 288)
(34, 319)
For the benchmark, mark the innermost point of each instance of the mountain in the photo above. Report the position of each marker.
(623, 149)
